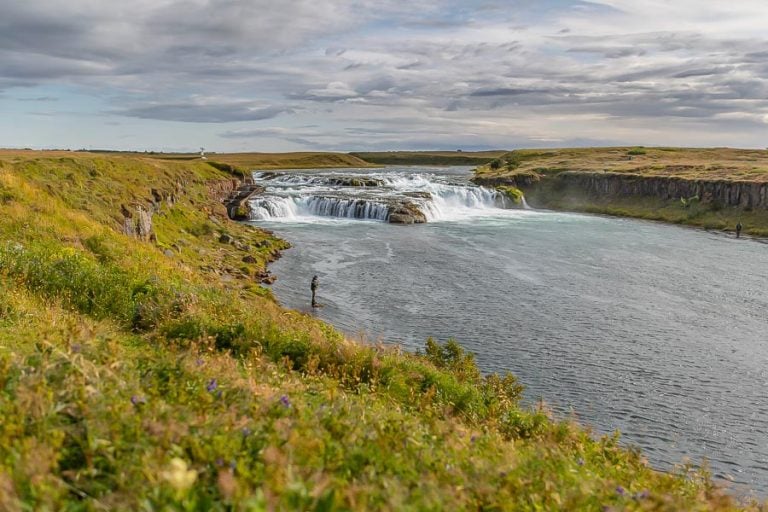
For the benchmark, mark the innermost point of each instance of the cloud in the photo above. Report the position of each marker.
(204, 113)
(258, 132)
(369, 72)
(334, 91)
(39, 99)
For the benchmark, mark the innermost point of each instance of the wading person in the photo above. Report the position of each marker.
(313, 287)
(738, 229)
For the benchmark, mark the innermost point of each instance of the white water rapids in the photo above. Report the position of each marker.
(366, 195)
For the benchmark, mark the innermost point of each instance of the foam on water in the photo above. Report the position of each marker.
(302, 196)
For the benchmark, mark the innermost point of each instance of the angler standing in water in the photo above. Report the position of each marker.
(738, 229)
(313, 287)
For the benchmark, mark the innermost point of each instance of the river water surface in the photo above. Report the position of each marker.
(658, 331)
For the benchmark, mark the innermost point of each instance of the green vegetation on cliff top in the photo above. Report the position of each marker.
(159, 375)
(688, 163)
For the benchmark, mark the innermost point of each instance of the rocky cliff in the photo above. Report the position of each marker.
(741, 194)
(724, 193)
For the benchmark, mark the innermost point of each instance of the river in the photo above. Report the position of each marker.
(658, 331)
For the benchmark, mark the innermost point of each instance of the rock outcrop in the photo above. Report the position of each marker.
(355, 181)
(406, 213)
(237, 202)
(137, 222)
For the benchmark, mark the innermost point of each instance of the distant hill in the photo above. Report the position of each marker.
(429, 157)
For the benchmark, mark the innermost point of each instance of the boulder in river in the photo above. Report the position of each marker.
(406, 213)
(355, 181)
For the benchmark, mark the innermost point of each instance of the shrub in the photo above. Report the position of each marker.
(452, 357)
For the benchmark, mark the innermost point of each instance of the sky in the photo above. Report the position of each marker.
(346, 75)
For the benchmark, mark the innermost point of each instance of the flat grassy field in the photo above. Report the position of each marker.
(437, 158)
(158, 374)
(688, 163)
(256, 161)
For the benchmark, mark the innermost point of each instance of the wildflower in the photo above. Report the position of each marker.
(580, 461)
(473, 439)
(76, 348)
(246, 431)
(199, 362)
(642, 495)
(178, 475)
(212, 385)
(620, 490)
(138, 400)
(284, 400)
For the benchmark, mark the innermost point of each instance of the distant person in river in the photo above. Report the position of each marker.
(738, 229)
(313, 287)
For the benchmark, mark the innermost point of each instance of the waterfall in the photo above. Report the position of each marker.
(274, 207)
(372, 195)
(344, 208)
(268, 208)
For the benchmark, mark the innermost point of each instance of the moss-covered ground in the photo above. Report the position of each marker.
(160, 375)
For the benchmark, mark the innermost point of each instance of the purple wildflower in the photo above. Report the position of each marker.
(473, 439)
(246, 431)
(199, 362)
(76, 348)
(219, 461)
(284, 400)
(212, 385)
(580, 461)
(138, 400)
(620, 490)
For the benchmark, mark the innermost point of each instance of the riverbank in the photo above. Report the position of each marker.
(708, 188)
(142, 364)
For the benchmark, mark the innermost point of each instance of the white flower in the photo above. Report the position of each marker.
(179, 475)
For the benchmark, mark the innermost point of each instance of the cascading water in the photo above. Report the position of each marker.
(365, 195)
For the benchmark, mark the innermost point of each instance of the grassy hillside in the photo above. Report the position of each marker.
(155, 373)
(441, 158)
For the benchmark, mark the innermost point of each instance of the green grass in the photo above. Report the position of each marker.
(429, 158)
(134, 378)
(688, 163)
